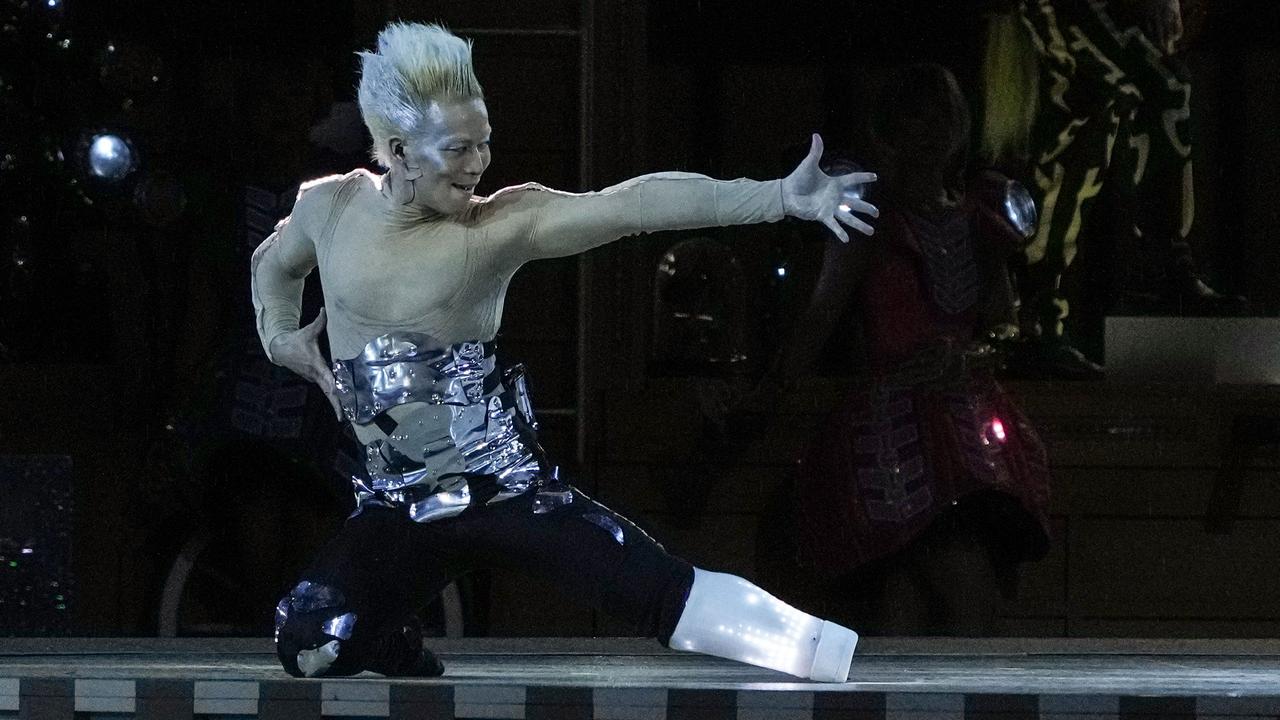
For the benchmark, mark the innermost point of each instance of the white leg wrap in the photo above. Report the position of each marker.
(729, 617)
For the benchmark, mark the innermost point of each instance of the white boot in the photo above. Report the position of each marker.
(728, 617)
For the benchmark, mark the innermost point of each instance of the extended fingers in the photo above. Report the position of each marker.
(858, 178)
(316, 372)
(815, 147)
(318, 324)
(323, 377)
(836, 230)
(330, 382)
(853, 222)
(858, 205)
(810, 165)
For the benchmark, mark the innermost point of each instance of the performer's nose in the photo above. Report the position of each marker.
(475, 162)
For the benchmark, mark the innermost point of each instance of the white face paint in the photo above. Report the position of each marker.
(443, 162)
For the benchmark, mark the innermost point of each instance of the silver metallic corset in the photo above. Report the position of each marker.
(468, 422)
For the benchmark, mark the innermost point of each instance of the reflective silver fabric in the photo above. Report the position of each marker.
(401, 368)
(516, 379)
(307, 597)
(466, 423)
(547, 500)
(282, 615)
(340, 626)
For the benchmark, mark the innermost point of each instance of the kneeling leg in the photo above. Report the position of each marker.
(355, 609)
(312, 623)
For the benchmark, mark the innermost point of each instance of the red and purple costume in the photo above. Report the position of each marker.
(928, 431)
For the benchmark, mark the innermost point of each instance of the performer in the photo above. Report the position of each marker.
(415, 270)
(926, 485)
(1111, 102)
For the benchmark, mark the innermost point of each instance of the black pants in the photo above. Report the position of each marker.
(385, 567)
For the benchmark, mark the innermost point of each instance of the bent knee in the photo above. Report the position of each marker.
(312, 624)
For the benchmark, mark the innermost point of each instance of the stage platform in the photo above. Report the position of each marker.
(630, 679)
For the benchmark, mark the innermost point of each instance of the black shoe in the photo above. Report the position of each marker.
(1051, 359)
(1191, 296)
(401, 654)
(426, 665)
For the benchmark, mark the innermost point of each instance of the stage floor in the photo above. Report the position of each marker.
(626, 679)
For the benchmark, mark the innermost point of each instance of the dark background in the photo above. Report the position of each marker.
(139, 415)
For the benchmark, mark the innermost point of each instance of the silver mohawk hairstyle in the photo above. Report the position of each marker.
(413, 65)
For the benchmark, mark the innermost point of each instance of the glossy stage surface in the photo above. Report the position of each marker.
(625, 679)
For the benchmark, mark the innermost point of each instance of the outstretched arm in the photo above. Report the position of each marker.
(560, 223)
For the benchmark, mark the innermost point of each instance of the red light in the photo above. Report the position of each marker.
(997, 429)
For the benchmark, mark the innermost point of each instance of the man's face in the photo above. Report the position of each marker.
(451, 152)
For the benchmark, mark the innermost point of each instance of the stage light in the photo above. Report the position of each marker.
(55, 9)
(997, 429)
(993, 432)
(110, 157)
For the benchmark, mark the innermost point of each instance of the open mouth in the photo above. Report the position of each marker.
(465, 188)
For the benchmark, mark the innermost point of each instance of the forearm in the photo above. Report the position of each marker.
(277, 294)
(572, 223)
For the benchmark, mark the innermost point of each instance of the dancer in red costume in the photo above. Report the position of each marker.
(926, 483)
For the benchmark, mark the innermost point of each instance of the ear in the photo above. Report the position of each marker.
(395, 149)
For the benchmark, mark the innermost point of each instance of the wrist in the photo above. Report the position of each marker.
(274, 347)
(787, 198)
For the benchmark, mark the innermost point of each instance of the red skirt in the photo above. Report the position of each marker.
(890, 459)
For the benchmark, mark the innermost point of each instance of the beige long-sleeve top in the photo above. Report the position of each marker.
(447, 276)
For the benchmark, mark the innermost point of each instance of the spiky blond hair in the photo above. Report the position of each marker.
(413, 65)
